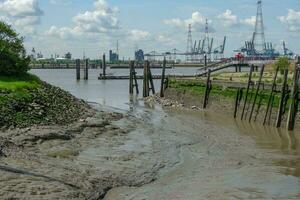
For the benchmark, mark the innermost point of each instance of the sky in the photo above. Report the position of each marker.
(92, 27)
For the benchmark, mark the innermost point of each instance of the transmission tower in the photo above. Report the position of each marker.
(206, 41)
(189, 48)
(258, 39)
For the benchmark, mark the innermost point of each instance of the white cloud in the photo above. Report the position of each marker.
(102, 19)
(249, 21)
(228, 19)
(24, 14)
(138, 35)
(60, 2)
(292, 20)
(197, 21)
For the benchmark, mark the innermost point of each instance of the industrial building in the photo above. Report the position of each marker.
(113, 56)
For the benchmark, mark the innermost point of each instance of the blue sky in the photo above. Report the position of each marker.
(94, 26)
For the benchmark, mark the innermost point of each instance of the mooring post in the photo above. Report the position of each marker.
(150, 78)
(78, 69)
(104, 66)
(239, 96)
(205, 62)
(207, 90)
(293, 109)
(257, 91)
(162, 87)
(146, 80)
(271, 95)
(282, 99)
(86, 69)
(131, 66)
(247, 91)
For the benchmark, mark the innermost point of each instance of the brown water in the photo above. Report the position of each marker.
(193, 155)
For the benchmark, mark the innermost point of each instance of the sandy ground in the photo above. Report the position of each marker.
(147, 153)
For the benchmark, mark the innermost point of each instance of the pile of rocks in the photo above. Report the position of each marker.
(45, 105)
(166, 102)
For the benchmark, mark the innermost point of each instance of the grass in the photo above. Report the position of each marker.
(17, 83)
(198, 88)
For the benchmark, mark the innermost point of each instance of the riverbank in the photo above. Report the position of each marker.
(189, 94)
(25, 101)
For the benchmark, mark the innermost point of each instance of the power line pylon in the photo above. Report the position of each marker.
(189, 48)
(207, 43)
(258, 39)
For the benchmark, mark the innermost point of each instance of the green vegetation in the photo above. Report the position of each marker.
(283, 63)
(14, 83)
(198, 88)
(12, 52)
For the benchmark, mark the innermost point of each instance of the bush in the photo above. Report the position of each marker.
(13, 59)
(283, 63)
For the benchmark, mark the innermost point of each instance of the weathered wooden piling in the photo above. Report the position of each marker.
(281, 109)
(104, 66)
(238, 99)
(78, 69)
(293, 109)
(86, 69)
(150, 78)
(247, 91)
(131, 66)
(205, 61)
(133, 79)
(257, 91)
(271, 96)
(146, 80)
(162, 87)
(207, 90)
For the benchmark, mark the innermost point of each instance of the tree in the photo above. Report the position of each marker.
(283, 63)
(13, 59)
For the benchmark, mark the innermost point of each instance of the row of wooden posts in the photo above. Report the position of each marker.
(86, 68)
(148, 83)
(254, 103)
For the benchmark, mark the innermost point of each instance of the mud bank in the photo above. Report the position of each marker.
(189, 100)
(146, 153)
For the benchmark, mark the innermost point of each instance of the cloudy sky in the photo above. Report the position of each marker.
(94, 26)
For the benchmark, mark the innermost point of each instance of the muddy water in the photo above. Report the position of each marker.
(186, 155)
(217, 158)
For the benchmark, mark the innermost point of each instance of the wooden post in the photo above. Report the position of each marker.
(282, 101)
(271, 95)
(205, 61)
(247, 92)
(238, 99)
(146, 80)
(104, 66)
(86, 69)
(131, 66)
(150, 78)
(257, 91)
(207, 90)
(295, 99)
(78, 69)
(162, 87)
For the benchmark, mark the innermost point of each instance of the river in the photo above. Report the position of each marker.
(197, 155)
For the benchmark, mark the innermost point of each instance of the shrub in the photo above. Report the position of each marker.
(283, 63)
(13, 59)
